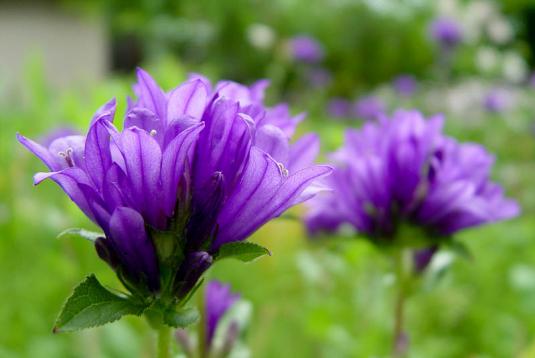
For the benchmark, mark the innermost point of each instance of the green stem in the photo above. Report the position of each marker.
(201, 333)
(399, 344)
(164, 341)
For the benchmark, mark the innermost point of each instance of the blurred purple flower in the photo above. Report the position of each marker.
(369, 108)
(319, 77)
(339, 108)
(532, 80)
(218, 299)
(405, 85)
(446, 32)
(306, 49)
(495, 101)
(210, 167)
(403, 171)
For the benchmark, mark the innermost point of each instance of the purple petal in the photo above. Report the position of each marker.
(134, 247)
(97, 153)
(151, 95)
(304, 152)
(174, 161)
(51, 161)
(69, 151)
(188, 99)
(106, 112)
(273, 141)
(223, 145)
(143, 158)
(68, 179)
(264, 193)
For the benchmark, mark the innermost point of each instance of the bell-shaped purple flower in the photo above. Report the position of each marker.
(405, 85)
(194, 168)
(339, 108)
(446, 32)
(403, 172)
(496, 101)
(369, 108)
(306, 49)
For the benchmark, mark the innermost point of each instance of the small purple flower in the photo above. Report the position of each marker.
(446, 32)
(204, 167)
(319, 77)
(218, 299)
(402, 171)
(339, 108)
(531, 80)
(495, 101)
(369, 108)
(405, 85)
(306, 49)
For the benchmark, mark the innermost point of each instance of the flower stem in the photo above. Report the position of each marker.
(399, 343)
(201, 334)
(164, 341)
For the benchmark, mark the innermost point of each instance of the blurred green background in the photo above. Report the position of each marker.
(61, 60)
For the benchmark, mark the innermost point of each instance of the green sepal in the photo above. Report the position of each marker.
(242, 250)
(83, 233)
(92, 305)
(181, 318)
(460, 249)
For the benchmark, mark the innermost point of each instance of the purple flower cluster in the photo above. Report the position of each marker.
(495, 101)
(405, 85)
(193, 169)
(369, 108)
(306, 49)
(446, 32)
(402, 172)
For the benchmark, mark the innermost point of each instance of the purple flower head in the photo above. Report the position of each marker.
(192, 170)
(339, 108)
(306, 49)
(401, 173)
(218, 299)
(369, 108)
(495, 101)
(405, 85)
(531, 80)
(319, 77)
(446, 32)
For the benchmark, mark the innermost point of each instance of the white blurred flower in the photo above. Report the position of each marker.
(260, 36)
(514, 68)
(499, 30)
(487, 59)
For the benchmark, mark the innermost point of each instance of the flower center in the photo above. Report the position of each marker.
(67, 155)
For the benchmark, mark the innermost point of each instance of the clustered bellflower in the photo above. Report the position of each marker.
(401, 175)
(304, 48)
(193, 169)
(446, 32)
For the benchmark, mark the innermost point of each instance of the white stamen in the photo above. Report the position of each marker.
(67, 155)
(282, 169)
(153, 132)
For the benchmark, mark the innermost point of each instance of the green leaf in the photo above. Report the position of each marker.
(86, 234)
(181, 318)
(242, 250)
(93, 305)
(460, 249)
